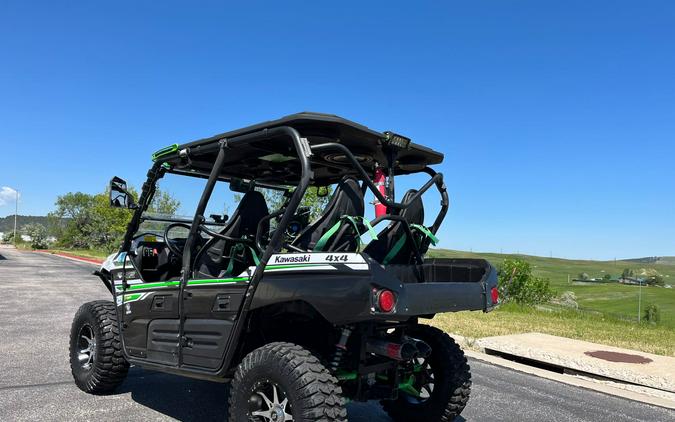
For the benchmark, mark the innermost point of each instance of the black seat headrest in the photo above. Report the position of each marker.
(246, 217)
(387, 238)
(347, 199)
(210, 261)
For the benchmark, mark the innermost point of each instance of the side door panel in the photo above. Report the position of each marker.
(149, 316)
(210, 309)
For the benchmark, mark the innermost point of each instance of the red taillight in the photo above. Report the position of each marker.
(386, 301)
(495, 295)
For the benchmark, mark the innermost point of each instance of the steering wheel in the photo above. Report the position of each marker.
(169, 244)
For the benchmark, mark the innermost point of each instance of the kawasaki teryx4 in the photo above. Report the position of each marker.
(294, 312)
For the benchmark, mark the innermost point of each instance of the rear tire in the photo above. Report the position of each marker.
(285, 379)
(96, 359)
(451, 382)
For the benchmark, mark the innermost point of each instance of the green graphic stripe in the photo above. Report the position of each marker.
(153, 285)
(190, 283)
(278, 267)
(132, 297)
(214, 280)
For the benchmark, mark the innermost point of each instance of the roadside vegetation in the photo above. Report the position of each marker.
(596, 308)
(512, 318)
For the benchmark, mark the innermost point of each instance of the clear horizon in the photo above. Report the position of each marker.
(557, 121)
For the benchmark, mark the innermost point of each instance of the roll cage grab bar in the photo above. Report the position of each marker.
(304, 152)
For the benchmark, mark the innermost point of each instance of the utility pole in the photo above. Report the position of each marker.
(639, 298)
(16, 211)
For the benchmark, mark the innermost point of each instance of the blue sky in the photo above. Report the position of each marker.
(557, 119)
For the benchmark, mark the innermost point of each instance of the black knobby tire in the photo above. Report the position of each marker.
(452, 382)
(104, 367)
(313, 393)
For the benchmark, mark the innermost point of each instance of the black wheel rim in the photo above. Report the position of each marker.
(420, 385)
(269, 403)
(86, 347)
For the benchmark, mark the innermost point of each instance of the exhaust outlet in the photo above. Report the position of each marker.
(398, 351)
(423, 349)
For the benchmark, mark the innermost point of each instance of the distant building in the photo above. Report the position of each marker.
(633, 281)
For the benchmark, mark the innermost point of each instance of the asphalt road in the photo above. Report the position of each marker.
(39, 295)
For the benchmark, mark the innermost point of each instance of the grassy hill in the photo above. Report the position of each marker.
(610, 298)
(657, 260)
(607, 313)
(7, 223)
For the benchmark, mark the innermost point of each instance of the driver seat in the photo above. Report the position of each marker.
(219, 257)
(347, 200)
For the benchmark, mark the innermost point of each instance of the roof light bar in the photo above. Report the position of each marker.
(397, 141)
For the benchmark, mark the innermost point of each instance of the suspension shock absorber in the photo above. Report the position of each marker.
(340, 349)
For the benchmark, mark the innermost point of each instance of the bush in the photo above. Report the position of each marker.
(517, 284)
(8, 237)
(652, 314)
(656, 280)
(38, 235)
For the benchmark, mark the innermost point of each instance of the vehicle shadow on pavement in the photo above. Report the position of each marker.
(188, 399)
(177, 397)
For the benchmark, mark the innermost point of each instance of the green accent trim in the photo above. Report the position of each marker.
(190, 283)
(395, 249)
(164, 151)
(153, 285)
(346, 375)
(281, 266)
(132, 297)
(426, 232)
(408, 388)
(216, 280)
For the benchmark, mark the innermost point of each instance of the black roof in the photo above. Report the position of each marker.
(272, 160)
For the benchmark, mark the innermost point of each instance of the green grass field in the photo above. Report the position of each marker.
(611, 298)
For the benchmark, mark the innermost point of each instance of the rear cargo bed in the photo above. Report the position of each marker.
(445, 285)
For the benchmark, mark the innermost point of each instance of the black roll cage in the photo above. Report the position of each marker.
(304, 153)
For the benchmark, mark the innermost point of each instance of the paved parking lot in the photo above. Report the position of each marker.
(39, 295)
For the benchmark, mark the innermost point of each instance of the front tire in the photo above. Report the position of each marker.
(444, 381)
(284, 382)
(96, 359)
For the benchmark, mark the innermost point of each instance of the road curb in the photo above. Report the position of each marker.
(76, 258)
(657, 398)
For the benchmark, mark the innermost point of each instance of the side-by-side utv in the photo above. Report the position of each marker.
(298, 314)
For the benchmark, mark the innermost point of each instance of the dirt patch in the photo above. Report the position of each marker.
(618, 357)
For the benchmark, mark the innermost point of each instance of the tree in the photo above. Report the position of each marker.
(656, 280)
(607, 277)
(582, 276)
(627, 272)
(107, 224)
(88, 221)
(75, 208)
(517, 284)
(37, 233)
(163, 203)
